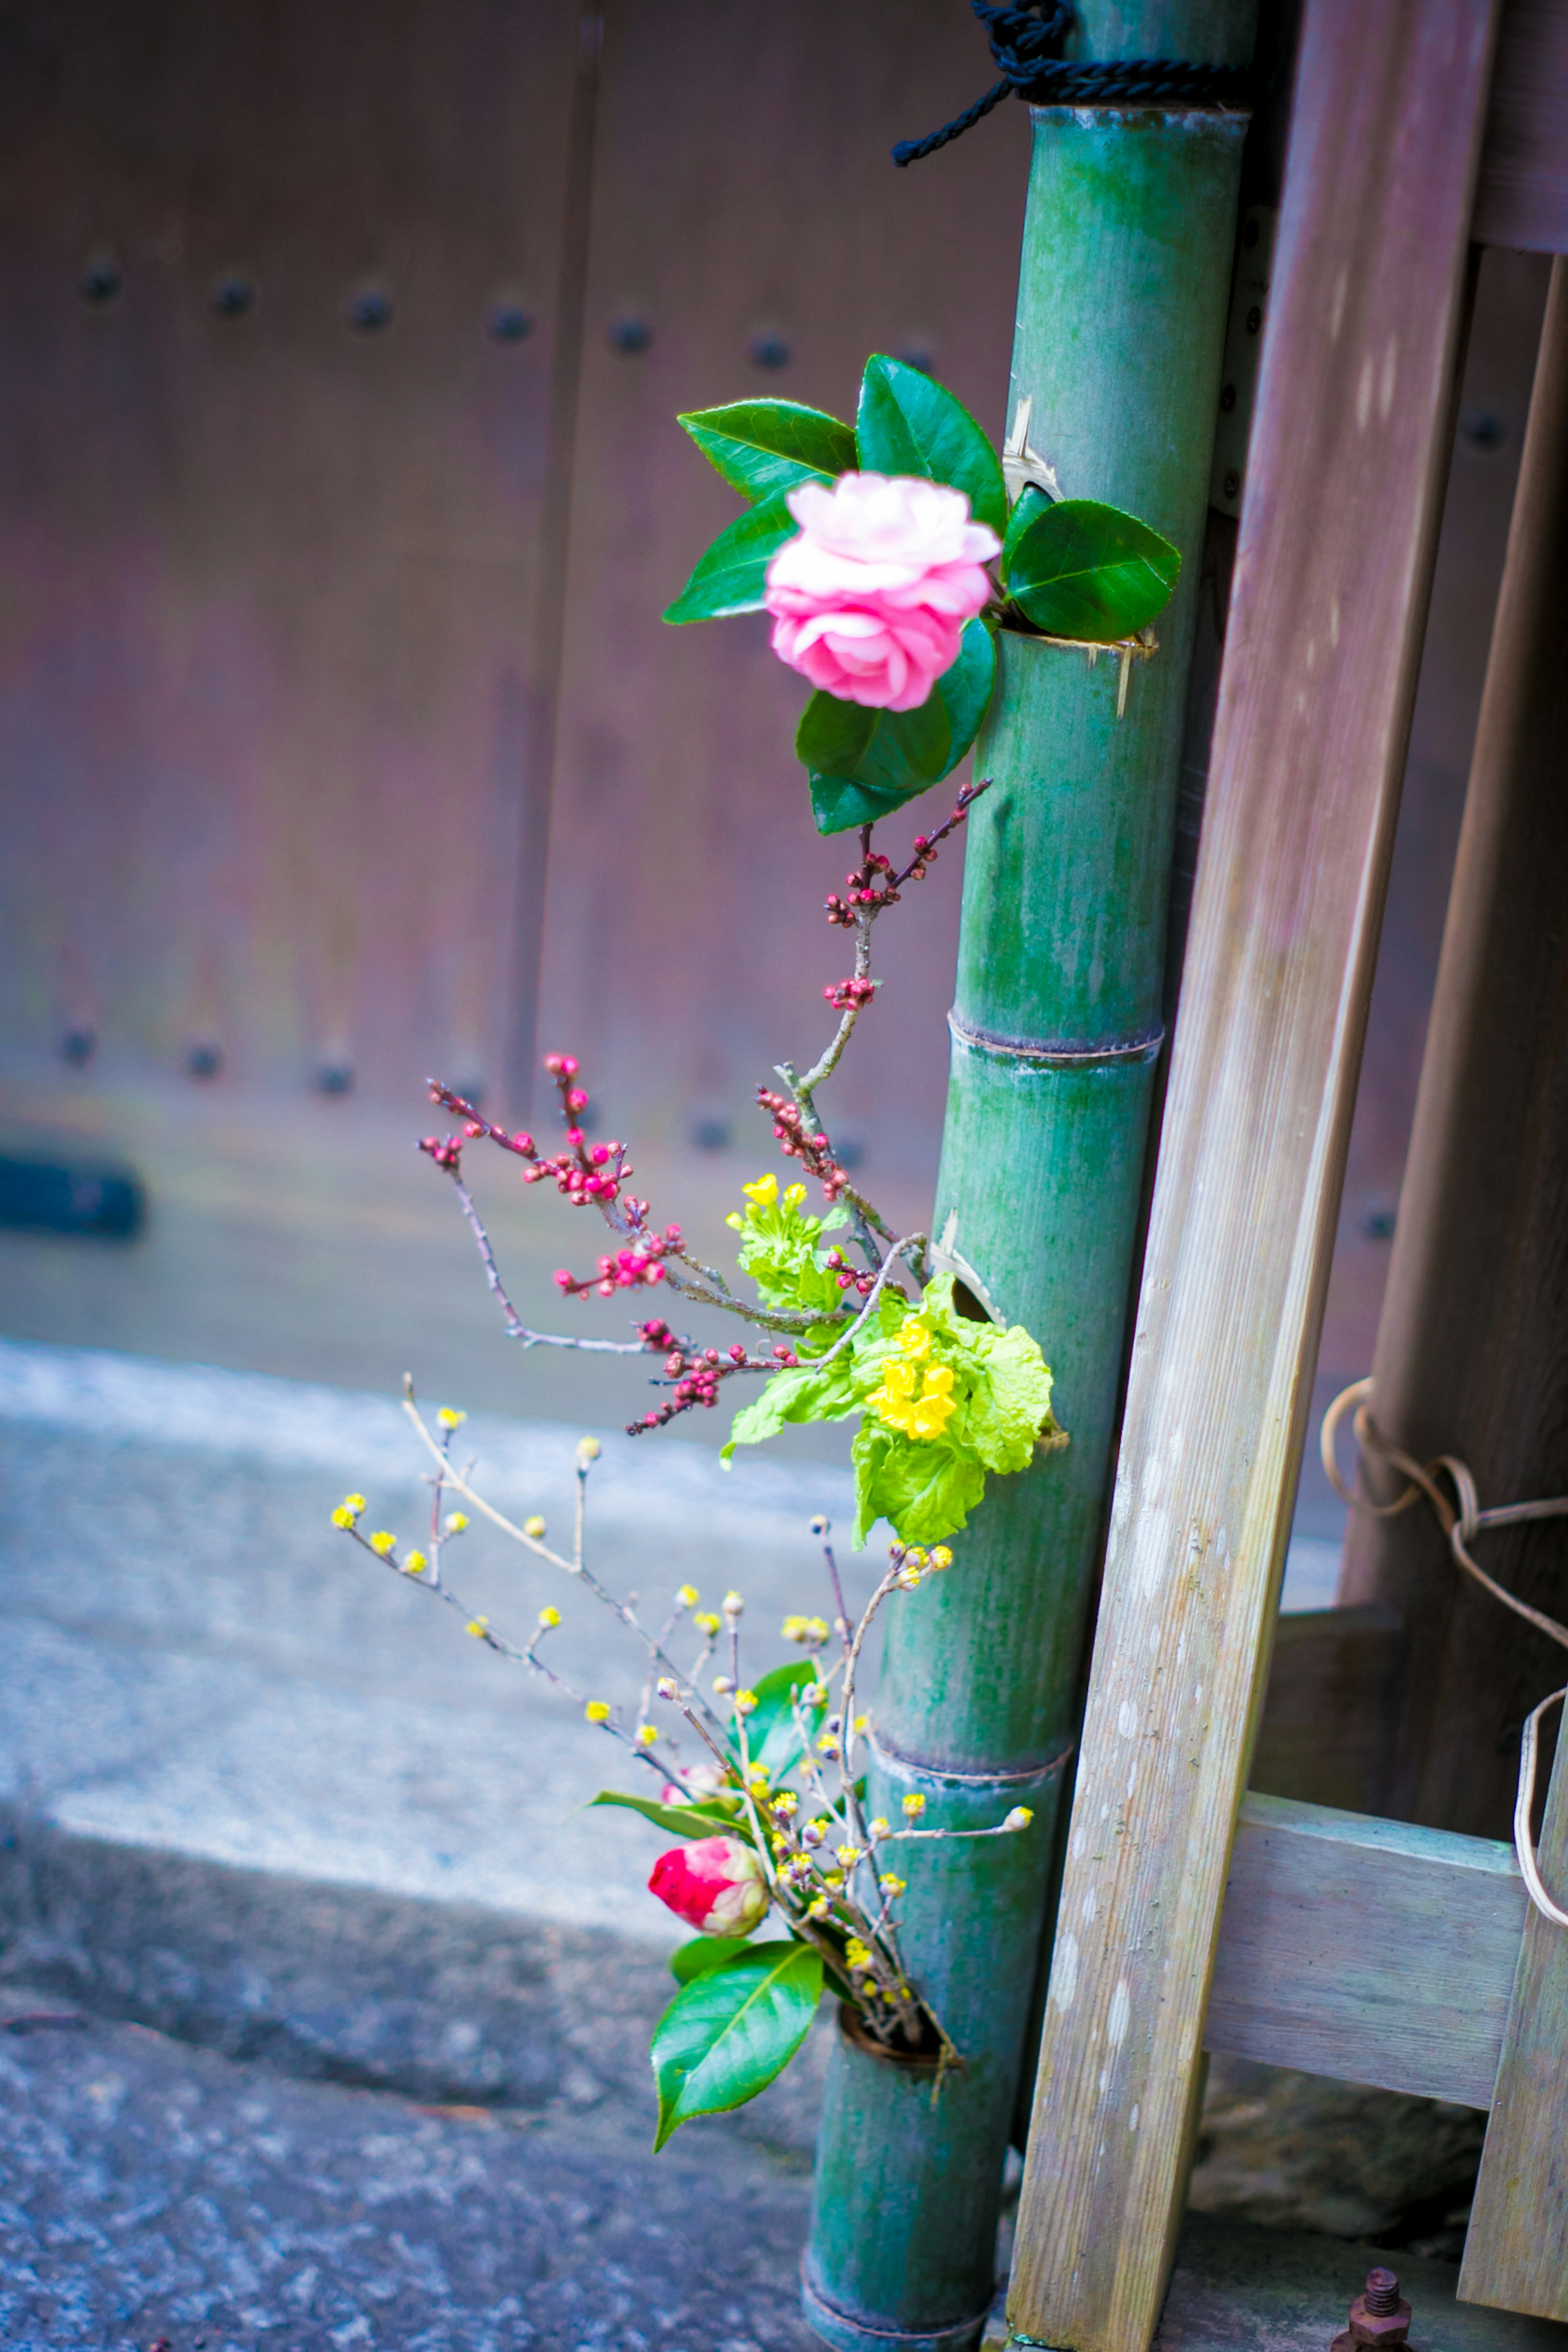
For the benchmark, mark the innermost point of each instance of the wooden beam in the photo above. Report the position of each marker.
(1367, 1949)
(1522, 199)
(1516, 2250)
(1332, 573)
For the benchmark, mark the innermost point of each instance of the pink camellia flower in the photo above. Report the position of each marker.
(870, 598)
(716, 1885)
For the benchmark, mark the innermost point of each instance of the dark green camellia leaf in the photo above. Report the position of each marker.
(682, 1820)
(705, 1952)
(866, 763)
(908, 424)
(1032, 503)
(732, 575)
(763, 445)
(771, 1738)
(727, 2034)
(1086, 570)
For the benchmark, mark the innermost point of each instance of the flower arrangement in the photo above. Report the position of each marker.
(871, 548)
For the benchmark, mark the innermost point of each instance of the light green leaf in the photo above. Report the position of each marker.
(1088, 571)
(727, 2034)
(763, 445)
(908, 423)
(799, 1393)
(703, 1820)
(924, 1488)
(839, 804)
(1010, 1405)
(965, 688)
(733, 574)
(705, 1952)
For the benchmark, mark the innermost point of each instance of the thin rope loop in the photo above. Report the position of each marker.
(1026, 43)
(1460, 1526)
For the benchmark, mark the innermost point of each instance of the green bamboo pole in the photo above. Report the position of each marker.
(1056, 1033)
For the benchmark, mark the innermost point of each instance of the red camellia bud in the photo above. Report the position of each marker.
(715, 1885)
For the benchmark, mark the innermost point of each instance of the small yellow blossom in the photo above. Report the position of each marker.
(914, 1557)
(383, 1543)
(686, 1597)
(722, 1685)
(354, 1504)
(914, 1338)
(828, 1744)
(833, 1878)
(646, 1734)
(909, 1577)
(596, 1711)
(891, 1883)
(857, 1954)
(1020, 1818)
(746, 1702)
(763, 1192)
(550, 1618)
(587, 1450)
(819, 1908)
(897, 1404)
(415, 1564)
(880, 1827)
(810, 1632)
(737, 1220)
(455, 1522)
(786, 1803)
(941, 1557)
(860, 1723)
(449, 1419)
(706, 1623)
(794, 1196)
(534, 1526)
(849, 1855)
(814, 1694)
(343, 1516)
(915, 1804)
(733, 1605)
(479, 1627)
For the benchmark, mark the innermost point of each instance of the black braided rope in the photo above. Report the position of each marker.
(1026, 42)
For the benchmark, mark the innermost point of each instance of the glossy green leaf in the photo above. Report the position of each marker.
(727, 2034)
(681, 1821)
(763, 445)
(866, 763)
(732, 575)
(1032, 503)
(705, 1952)
(771, 1737)
(1086, 571)
(909, 425)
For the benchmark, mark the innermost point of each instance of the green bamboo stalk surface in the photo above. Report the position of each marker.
(1125, 278)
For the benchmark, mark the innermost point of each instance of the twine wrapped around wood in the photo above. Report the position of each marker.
(1461, 1525)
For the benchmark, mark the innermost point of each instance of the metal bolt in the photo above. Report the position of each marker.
(335, 1079)
(204, 1059)
(1232, 483)
(1228, 399)
(769, 351)
(233, 296)
(371, 312)
(1483, 428)
(1254, 320)
(79, 1044)
(1379, 2317)
(100, 281)
(631, 336)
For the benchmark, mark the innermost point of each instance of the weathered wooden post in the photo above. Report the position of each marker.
(1126, 270)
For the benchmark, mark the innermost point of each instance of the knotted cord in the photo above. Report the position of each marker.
(1026, 43)
(1461, 1525)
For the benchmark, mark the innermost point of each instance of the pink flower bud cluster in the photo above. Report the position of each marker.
(867, 890)
(636, 1264)
(583, 1172)
(696, 1373)
(848, 995)
(796, 1142)
(848, 1277)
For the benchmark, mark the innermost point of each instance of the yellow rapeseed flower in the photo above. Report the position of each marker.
(763, 1192)
(794, 1196)
(915, 1337)
(923, 1414)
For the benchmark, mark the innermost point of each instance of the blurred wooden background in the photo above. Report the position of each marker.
(340, 740)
